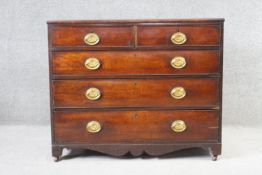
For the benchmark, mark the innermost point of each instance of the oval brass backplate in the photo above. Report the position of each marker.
(178, 38)
(178, 62)
(92, 63)
(178, 92)
(93, 93)
(178, 126)
(91, 39)
(93, 126)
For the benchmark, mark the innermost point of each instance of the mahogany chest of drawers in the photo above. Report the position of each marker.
(136, 86)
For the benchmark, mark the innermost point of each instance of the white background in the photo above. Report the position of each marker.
(24, 87)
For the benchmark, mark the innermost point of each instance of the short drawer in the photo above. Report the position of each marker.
(92, 36)
(124, 63)
(178, 35)
(166, 92)
(136, 126)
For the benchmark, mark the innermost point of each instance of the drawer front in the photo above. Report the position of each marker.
(136, 126)
(193, 92)
(106, 36)
(121, 63)
(194, 35)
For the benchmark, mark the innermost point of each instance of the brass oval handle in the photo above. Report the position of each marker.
(93, 126)
(178, 38)
(92, 63)
(93, 93)
(178, 62)
(178, 126)
(178, 92)
(91, 39)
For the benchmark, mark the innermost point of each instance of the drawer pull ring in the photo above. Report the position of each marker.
(93, 93)
(178, 38)
(178, 62)
(92, 63)
(178, 92)
(178, 126)
(91, 39)
(93, 126)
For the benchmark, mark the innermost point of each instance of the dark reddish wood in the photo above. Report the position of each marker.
(215, 150)
(57, 152)
(221, 84)
(109, 36)
(136, 93)
(50, 84)
(127, 48)
(136, 126)
(120, 63)
(160, 35)
(137, 149)
(137, 21)
(212, 41)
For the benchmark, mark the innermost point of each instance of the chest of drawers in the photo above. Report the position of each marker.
(136, 86)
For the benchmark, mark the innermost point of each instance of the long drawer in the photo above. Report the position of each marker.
(124, 63)
(136, 126)
(164, 92)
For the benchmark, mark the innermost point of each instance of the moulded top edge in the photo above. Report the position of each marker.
(207, 20)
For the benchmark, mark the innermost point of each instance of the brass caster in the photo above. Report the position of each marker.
(56, 159)
(214, 157)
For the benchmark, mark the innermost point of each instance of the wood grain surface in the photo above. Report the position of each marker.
(124, 63)
(136, 93)
(109, 36)
(136, 126)
(161, 35)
